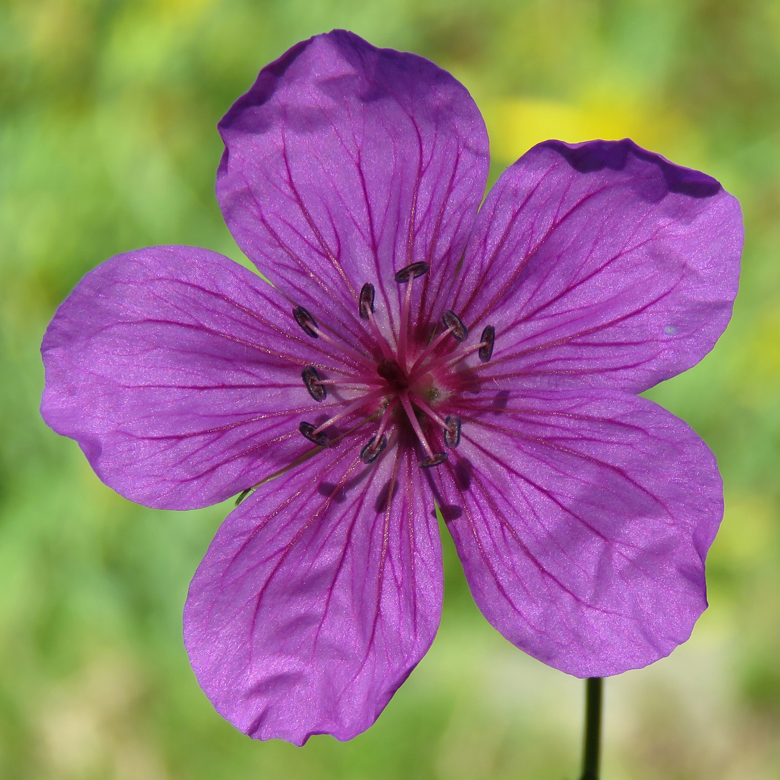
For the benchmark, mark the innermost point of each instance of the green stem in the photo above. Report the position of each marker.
(592, 742)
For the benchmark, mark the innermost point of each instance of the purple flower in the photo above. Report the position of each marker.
(413, 353)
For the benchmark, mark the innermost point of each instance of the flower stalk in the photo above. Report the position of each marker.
(591, 749)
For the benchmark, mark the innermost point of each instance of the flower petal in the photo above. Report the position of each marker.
(583, 522)
(317, 598)
(345, 163)
(602, 264)
(179, 374)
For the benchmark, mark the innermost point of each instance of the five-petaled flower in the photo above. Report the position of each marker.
(416, 351)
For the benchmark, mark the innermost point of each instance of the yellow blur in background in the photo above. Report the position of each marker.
(108, 143)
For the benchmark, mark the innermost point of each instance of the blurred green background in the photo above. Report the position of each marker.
(108, 143)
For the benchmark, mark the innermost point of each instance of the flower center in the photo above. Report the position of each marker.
(400, 392)
(393, 374)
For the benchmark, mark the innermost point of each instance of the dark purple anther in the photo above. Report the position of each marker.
(488, 339)
(307, 429)
(459, 330)
(411, 272)
(366, 300)
(306, 321)
(452, 434)
(311, 379)
(434, 460)
(373, 449)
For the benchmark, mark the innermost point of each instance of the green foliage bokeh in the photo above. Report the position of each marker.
(108, 143)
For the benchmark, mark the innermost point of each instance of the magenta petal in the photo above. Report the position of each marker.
(583, 521)
(345, 163)
(179, 374)
(602, 264)
(317, 598)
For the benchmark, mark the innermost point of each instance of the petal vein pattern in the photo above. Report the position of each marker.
(179, 373)
(601, 264)
(345, 163)
(581, 519)
(317, 598)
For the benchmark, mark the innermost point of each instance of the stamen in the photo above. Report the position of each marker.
(430, 348)
(422, 406)
(411, 272)
(311, 328)
(381, 340)
(408, 274)
(313, 384)
(484, 348)
(488, 340)
(366, 300)
(451, 358)
(385, 418)
(302, 458)
(373, 449)
(306, 321)
(348, 378)
(311, 433)
(434, 460)
(452, 434)
(455, 324)
(347, 374)
(431, 459)
(358, 383)
(366, 399)
(451, 425)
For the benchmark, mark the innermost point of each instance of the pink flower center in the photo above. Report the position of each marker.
(401, 391)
